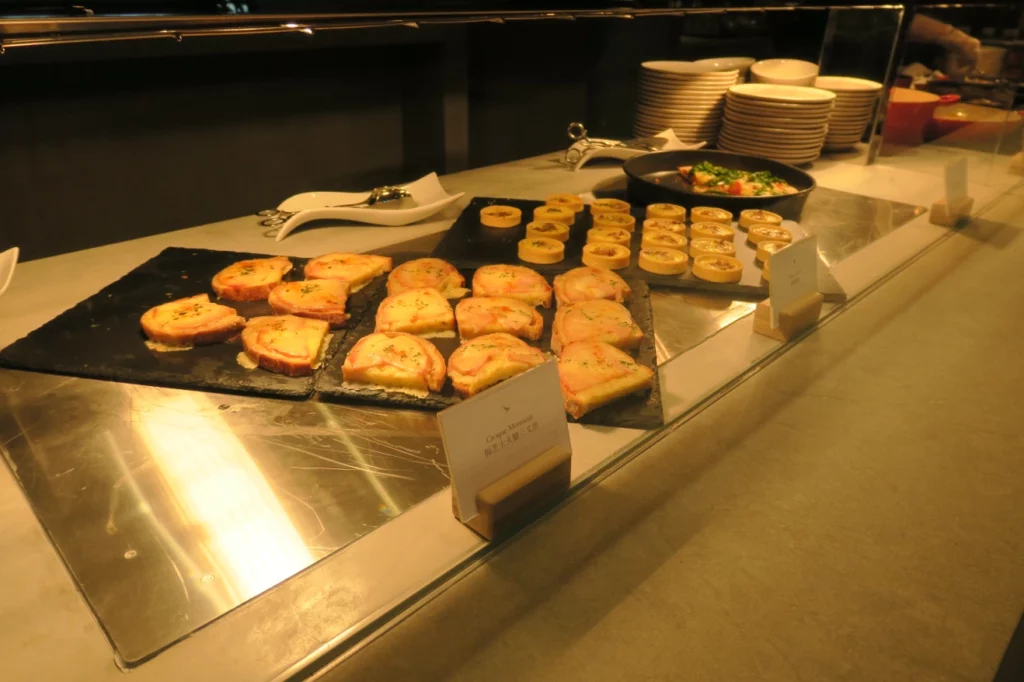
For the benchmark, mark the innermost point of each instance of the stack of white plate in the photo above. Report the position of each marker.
(787, 123)
(683, 96)
(856, 100)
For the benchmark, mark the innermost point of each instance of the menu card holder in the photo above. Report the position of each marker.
(510, 501)
(793, 319)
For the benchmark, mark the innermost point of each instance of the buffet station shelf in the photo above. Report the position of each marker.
(281, 532)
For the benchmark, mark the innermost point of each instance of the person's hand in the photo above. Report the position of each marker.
(969, 48)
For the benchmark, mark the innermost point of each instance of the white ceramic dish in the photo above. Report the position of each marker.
(787, 94)
(791, 108)
(427, 193)
(772, 132)
(794, 124)
(741, 64)
(846, 84)
(784, 72)
(680, 68)
(774, 150)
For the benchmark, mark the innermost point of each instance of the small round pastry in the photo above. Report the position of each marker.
(768, 233)
(557, 214)
(766, 271)
(667, 224)
(500, 216)
(608, 235)
(622, 221)
(711, 247)
(541, 250)
(718, 268)
(663, 261)
(711, 231)
(609, 206)
(662, 239)
(753, 216)
(610, 256)
(548, 229)
(668, 211)
(709, 214)
(570, 201)
(767, 248)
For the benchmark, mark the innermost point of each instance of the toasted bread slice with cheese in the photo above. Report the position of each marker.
(355, 268)
(319, 299)
(418, 311)
(489, 359)
(589, 283)
(593, 374)
(251, 280)
(489, 315)
(597, 320)
(396, 361)
(427, 273)
(285, 344)
(512, 281)
(191, 321)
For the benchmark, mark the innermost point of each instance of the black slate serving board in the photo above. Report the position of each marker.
(101, 338)
(640, 411)
(468, 244)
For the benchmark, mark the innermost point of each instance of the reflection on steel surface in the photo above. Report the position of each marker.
(171, 507)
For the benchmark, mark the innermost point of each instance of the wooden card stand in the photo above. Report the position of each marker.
(508, 502)
(793, 320)
(951, 216)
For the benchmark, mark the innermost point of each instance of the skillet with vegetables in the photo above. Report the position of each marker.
(707, 178)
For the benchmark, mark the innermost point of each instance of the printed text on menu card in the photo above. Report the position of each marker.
(493, 434)
(794, 275)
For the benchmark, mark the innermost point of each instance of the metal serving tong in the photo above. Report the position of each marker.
(582, 143)
(273, 217)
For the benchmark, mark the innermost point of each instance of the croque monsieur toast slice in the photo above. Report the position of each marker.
(418, 311)
(427, 273)
(251, 280)
(396, 361)
(512, 281)
(191, 321)
(489, 359)
(589, 283)
(355, 268)
(319, 299)
(597, 320)
(285, 344)
(593, 374)
(479, 316)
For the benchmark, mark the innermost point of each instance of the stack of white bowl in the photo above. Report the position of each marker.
(742, 64)
(686, 97)
(856, 100)
(786, 123)
(784, 72)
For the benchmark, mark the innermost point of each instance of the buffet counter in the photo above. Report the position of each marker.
(344, 590)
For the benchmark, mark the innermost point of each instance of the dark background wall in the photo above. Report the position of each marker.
(98, 147)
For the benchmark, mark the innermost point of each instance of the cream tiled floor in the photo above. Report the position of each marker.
(852, 512)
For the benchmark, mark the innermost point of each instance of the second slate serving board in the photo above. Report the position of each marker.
(468, 244)
(101, 337)
(638, 411)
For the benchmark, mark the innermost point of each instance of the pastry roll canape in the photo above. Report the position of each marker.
(251, 280)
(477, 316)
(285, 344)
(395, 361)
(357, 269)
(424, 312)
(192, 321)
(512, 281)
(319, 299)
(597, 320)
(427, 273)
(587, 284)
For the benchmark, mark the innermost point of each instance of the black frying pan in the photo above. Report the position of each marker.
(654, 178)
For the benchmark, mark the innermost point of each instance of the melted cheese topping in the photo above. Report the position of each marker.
(701, 247)
(665, 255)
(312, 296)
(488, 315)
(253, 273)
(355, 268)
(608, 235)
(426, 273)
(245, 361)
(753, 216)
(187, 315)
(571, 201)
(586, 284)
(660, 238)
(609, 206)
(548, 229)
(166, 347)
(420, 309)
(513, 281)
(598, 320)
(559, 214)
(712, 231)
(759, 233)
(473, 356)
(286, 337)
(585, 365)
(404, 354)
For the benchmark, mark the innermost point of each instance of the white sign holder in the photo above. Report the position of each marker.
(508, 451)
(956, 206)
(794, 302)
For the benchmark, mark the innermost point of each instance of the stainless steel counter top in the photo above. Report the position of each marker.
(173, 507)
